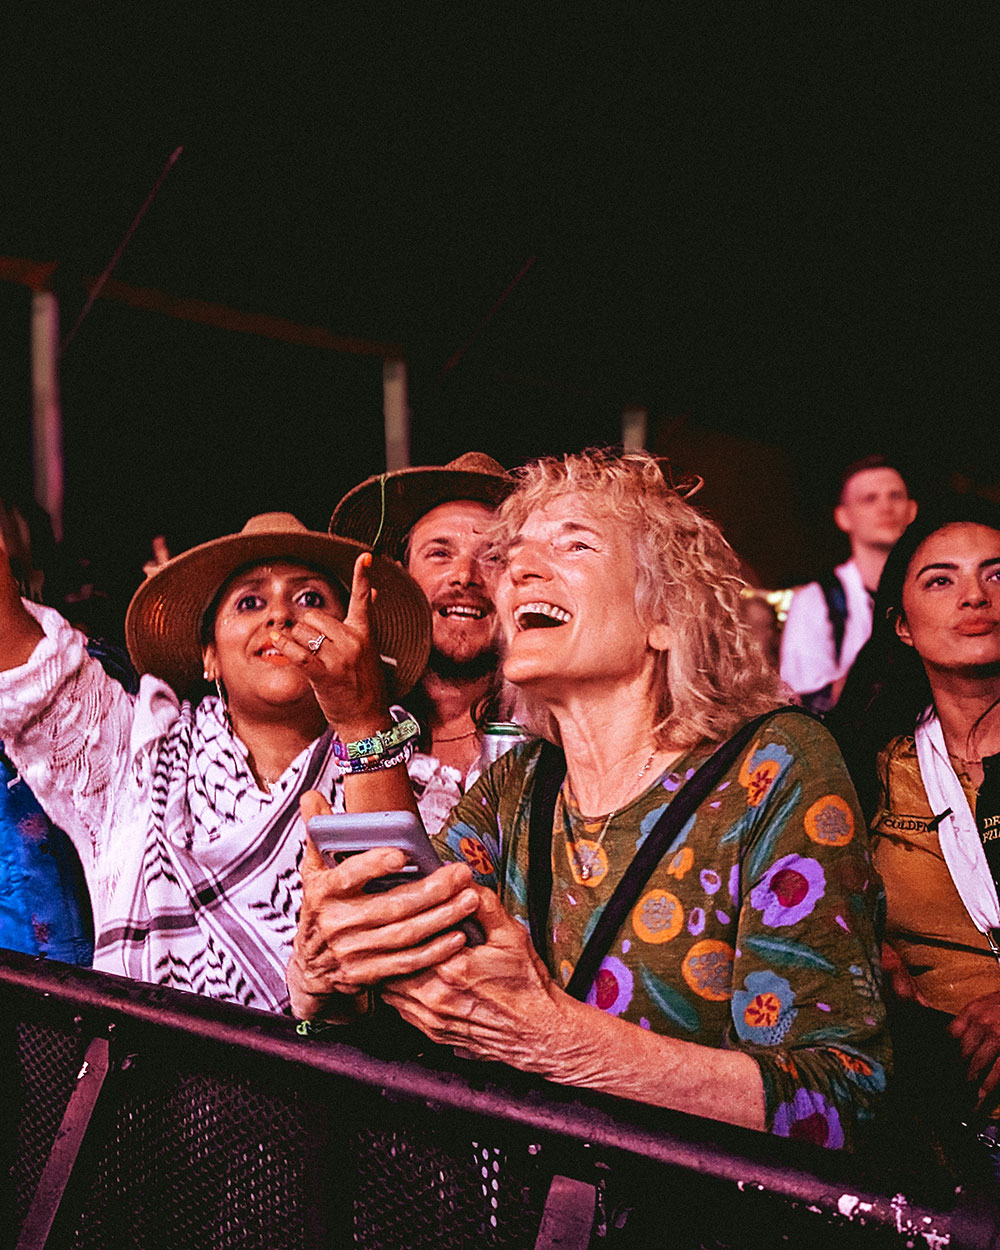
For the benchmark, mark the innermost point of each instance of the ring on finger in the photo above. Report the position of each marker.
(314, 644)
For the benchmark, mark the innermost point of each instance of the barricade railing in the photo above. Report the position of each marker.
(140, 1117)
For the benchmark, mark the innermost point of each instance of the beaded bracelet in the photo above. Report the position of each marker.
(375, 763)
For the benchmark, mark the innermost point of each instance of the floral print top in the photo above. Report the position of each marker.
(776, 958)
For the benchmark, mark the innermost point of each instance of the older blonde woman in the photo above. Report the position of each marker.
(741, 983)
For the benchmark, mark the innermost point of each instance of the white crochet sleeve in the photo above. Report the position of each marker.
(80, 742)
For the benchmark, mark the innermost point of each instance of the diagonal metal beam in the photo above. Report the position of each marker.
(65, 1153)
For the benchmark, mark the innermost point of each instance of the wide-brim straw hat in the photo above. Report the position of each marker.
(384, 508)
(164, 620)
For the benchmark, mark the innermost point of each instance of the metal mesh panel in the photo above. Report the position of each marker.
(193, 1160)
(438, 1190)
(48, 1061)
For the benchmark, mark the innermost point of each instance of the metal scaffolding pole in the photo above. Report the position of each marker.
(635, 422)
(46, 412)
(396, 408)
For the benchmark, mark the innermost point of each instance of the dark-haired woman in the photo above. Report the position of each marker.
(182, 804)
(932, 670)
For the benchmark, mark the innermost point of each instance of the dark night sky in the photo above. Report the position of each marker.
(776, 219)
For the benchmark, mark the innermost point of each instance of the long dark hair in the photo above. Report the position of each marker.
(887, 692)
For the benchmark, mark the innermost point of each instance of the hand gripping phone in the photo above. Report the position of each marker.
(349, 833)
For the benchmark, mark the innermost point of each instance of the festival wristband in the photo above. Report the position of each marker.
(385, 742)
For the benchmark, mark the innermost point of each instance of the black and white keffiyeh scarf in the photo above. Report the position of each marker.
(211, 903)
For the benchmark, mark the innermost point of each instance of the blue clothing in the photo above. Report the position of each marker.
(44, 907)
(44, 904)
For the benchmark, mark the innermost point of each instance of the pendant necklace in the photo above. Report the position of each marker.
(585, 868)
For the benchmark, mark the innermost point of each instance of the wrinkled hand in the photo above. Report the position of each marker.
(977, 1028)
(345, 672)
(495, 1001)
(348, 941)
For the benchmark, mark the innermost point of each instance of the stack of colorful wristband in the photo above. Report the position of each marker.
(385, 749)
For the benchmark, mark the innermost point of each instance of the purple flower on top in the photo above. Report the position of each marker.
(809, 1117)
(789, 890)
(613, 987)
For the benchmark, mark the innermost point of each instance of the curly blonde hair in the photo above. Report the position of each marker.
(715, 676)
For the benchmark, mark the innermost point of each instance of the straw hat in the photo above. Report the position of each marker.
(163, 622)
(382, 510)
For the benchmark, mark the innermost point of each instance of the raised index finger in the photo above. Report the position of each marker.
(359, 607)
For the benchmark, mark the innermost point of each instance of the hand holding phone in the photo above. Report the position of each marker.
(342, 834)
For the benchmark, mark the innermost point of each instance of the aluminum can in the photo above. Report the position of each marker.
(497, 738)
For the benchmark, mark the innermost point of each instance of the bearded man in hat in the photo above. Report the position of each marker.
(434, 520)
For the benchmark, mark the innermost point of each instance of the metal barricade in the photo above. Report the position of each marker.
(142, 1118)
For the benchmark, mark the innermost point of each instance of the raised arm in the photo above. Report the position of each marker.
(65, 723)
(346, 675)
(346, 940)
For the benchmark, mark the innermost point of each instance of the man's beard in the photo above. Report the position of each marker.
(472, 669)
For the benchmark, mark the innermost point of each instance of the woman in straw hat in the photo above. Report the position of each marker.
(185, 810)
(733, 975)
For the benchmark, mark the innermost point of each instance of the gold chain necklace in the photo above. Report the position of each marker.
(585, 869)
(455, 737)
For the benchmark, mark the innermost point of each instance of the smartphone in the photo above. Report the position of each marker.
(349, 833)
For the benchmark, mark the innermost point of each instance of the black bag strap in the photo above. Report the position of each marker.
(836, 609)
(550, 770)
(549, 773)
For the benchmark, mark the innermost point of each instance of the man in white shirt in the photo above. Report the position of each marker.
(829, 621)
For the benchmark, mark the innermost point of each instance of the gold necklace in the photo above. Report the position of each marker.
(585, 869)
(456, 737)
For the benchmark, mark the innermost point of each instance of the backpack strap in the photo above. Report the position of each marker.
(549, 773)
(836, 609)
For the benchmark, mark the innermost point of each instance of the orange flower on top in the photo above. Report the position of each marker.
(760, 768)
(763, 1011)
(474, 855)
(830, 821)
(760, 781)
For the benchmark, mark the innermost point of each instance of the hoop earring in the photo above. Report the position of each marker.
(221, 691)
